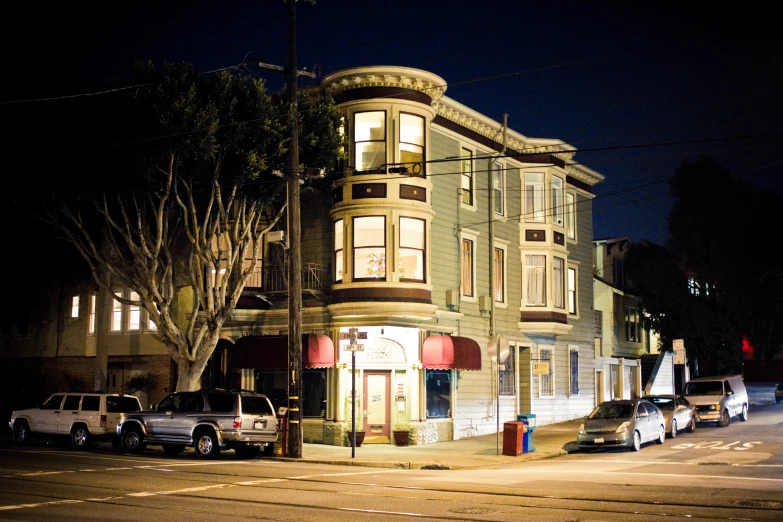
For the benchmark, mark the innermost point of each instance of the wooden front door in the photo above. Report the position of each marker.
(377, 407)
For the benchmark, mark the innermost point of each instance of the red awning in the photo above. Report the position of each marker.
(446, 352)
(270, 352)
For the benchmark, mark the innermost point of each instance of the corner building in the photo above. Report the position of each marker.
(460, 254)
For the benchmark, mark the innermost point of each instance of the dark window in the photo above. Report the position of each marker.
(71, 402)
(170, 403)
(220, 402)
(256, 405)
(53, 403)
(192, 403)
(314, 391)
(574, 372)
(438, 394)
(93, 403)
(119, 404)
(650, 408)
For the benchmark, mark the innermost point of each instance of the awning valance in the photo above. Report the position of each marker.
(270, 352)
(446, 352)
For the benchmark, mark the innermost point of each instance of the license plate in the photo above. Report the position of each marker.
(598, 440)
(259, 425)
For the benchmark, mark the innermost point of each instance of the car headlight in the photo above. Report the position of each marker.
(714, 407)
(623, 427)
(581, 429)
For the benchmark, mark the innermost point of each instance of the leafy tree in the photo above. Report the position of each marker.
(716, 281)
(177, 193)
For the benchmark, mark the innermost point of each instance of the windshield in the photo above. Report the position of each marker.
(704, 388)
(612, 411)
(664, 403)
(122, 404)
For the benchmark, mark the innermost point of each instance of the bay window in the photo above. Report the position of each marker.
(534, 197)
(572, 291)
(498, 188)
(570, 216)
(369, 140)
(369, 248)
(411, 147)
(558, 282)
(467, 176)
(535, 277)
(557, 201)
(412, 246)
(338, 251)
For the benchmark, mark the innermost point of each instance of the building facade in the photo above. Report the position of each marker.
(454, 250)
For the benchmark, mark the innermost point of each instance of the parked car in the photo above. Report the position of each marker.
(718, 399)
(622, 423)
(207, 420)
(779, 393)
(677, 411)
(85, 417)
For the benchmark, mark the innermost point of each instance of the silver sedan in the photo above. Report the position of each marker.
(625, 423)
(679, 413)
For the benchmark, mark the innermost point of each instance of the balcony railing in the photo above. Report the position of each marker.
(274, 279)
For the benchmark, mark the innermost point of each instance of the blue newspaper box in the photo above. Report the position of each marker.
(529, 419)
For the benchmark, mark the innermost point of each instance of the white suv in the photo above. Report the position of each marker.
(85, 417)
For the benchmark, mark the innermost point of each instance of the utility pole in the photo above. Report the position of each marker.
(293, 179)
(295, 253)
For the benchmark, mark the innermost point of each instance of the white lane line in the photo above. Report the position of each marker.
(175, 491)
(23, 506)
(262, 481)
(186, 464)
(677, 475)
(384, 512)
(115, 469)
(346, 473)
(37, 473)
(670, 463)
(87, 470)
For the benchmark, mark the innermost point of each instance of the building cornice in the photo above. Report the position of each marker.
(385, 76)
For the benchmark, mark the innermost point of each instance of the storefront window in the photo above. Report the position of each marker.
(438, 394)
(314, 393)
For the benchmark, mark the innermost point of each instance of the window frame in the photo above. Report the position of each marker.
(557, 199)
(526, 301)
(559, 283)
(117, 314)
(338, 256)
(570, 215)
(134, 312)
(534, 194)
(472, 239)
(550, 383)
(74, 306)
(499, 194)
(572, 290)
(382, 247)
(632, 324)
(573, 378)
(467, 177)
(500, 273)
(91, 324)
(507, 380)
(382, 167)
(451, 378)
(423, 249)
(423, 146)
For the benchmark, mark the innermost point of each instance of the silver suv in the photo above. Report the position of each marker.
(85, 417)
(207, 420)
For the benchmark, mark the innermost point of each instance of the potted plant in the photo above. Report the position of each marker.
(401, 432)
(359, 437)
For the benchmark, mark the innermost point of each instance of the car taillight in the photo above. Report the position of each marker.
(237, 422)
(103, 421)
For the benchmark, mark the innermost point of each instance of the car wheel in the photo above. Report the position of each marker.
(80, 437)
(206, 444)
(637, 441)
(247, 452)
(744, 415)
(692, 425)
(725, 419)
(132, 439)
(674, 428)
(173, 449)
(21, 432)
(661, 434)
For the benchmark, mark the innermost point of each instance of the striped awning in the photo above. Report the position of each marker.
(446, 352)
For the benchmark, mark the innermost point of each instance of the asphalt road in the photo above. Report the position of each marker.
(714, 474)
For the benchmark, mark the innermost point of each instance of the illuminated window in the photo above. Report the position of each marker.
(369, 247)
(535, 278)
(534, 197)
(557, 201)
(412, 143)
(498, 188)
(75, 307)
(558, 282)
(570, 216)
(91, 326)
(369, 140)
(467, 267)
(338, 251)
(412, 246)
(116, 316)
(134, 313)
(467, 177)
(572, 291)
(499, 275)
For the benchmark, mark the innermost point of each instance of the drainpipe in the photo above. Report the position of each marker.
(491, 221)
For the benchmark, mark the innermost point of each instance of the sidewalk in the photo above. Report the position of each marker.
(483, 451)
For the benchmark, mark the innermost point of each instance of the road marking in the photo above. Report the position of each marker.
(255, 482)
(349, 473)
(716, 444)
(23, 506)
(115, 469)
(384, 512)
(678, 475)
(175, 491)
(670, 463)
(45, 473)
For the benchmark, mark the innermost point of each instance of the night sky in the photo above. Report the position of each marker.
(610, 78)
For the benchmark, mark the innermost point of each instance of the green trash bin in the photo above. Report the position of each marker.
(527, 438)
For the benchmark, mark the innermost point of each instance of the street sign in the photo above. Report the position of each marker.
(354, 347)
(540, 368)
(349, 335)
